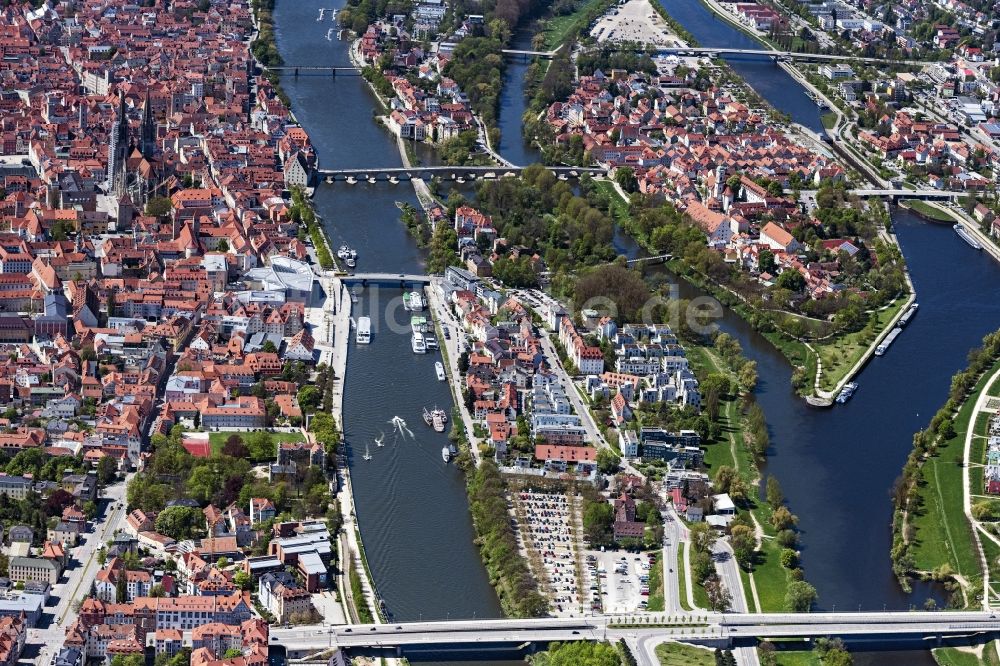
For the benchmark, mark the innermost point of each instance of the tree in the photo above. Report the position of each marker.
(159, 207)
(157, 591)
(747, 376)
(235, 448)
(607, 461)
(625, 177)
(232, 653)
(107, 470)
(242, 580)
(261, 446)
(832, 652)
(783, 519)
(179, 522)
(799, 596)
(121, 588)
(702, 537)
(268, 347)
(789, 558)
(791, 280)
(719, 598)
(775, 497)
(309, 398)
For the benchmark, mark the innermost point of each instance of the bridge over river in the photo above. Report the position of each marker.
(454, 172)
(711, 629)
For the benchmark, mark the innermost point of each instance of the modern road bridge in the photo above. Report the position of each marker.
(787, 55)
(385, 278)
(716, 629)
(895, 195)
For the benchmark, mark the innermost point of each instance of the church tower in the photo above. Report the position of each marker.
(148, 136)
(118, 147)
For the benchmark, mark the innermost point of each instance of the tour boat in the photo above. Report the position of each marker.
(439, 368)
(413, 301)
(417, 343)
(418, 324)
(967, 237)
(430, 341)
(440, 418)
(364, 333)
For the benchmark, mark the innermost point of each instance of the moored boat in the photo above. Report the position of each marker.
(446, 454)
(440, 418)
(967, 237)
(847, 392)
(428, 419)
(439, 369)
(417, 343)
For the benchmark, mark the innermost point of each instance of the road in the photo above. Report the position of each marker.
(707, 627)
(674, 534)
(729, 571)
(78, 580)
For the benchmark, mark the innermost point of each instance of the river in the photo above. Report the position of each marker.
(836, 466)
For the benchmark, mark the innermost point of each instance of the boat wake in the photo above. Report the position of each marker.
(380, 440)
(399, 424)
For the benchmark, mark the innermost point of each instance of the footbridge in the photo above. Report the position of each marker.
(447, 172)
(711, 629)
(784, 55)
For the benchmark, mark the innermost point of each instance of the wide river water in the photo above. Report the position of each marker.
(836, 466)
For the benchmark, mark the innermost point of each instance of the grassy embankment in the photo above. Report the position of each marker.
(925, 210)
(655, 601)
(682, 579)
(966, 657)
(558, 29)
(770, 577)
(942, 535)
(682, 654)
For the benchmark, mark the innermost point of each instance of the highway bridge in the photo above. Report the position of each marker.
(452, 172)
(894, 195)
(710, 629)
(785, 55)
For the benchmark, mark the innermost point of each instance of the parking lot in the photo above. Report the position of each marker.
(623, 579)
(543, 521)
(635, 21)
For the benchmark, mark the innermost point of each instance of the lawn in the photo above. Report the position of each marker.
(943, 535)
(797, 658)
(957, 657)
(655, 600)
(840, 354)
(932, 212)
(558, 28)
(618, 206)
(681, 654)
(217, 439)
(829, 120)
(682, 580)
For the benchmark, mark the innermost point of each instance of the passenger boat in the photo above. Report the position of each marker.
(847, 392)
(884, 345)
(908, 315)
(439, 418)
(431, 341)
(439, 369)
(413, 301)
(446, 454)
(417, 343)
(967, 237)
(364, 333)
(418, 324)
